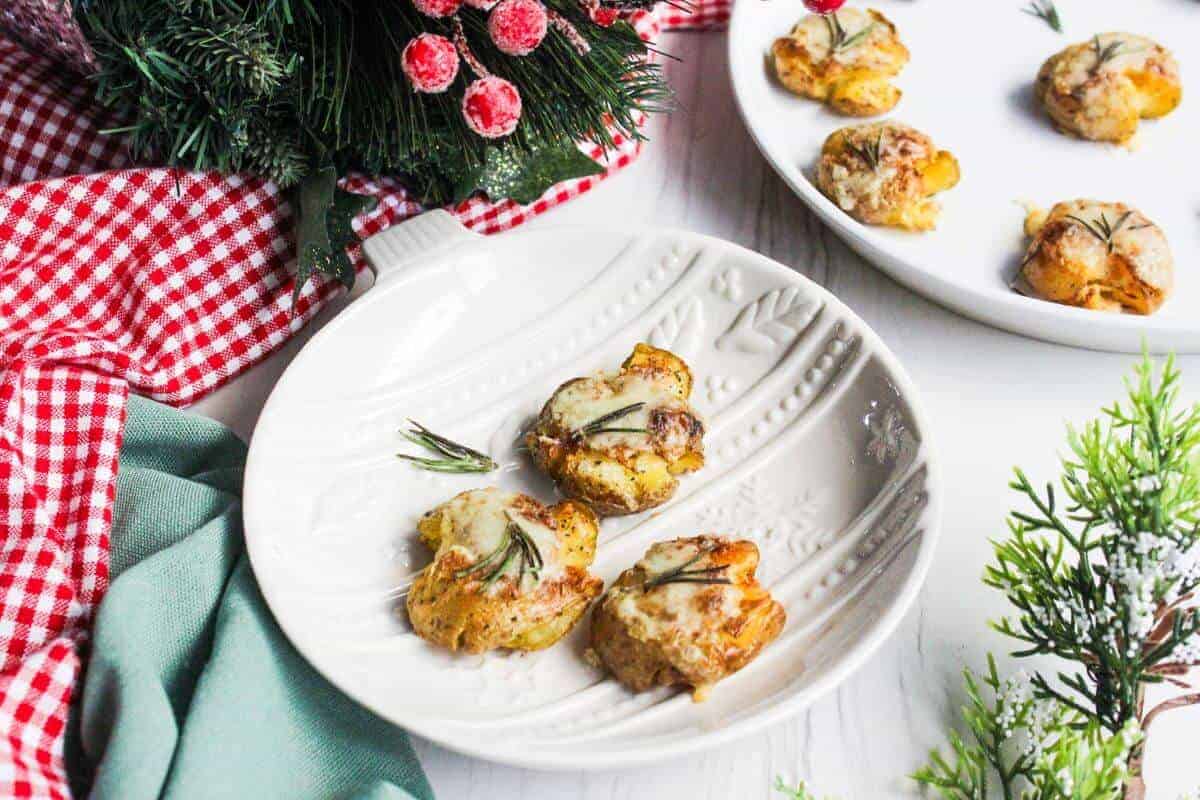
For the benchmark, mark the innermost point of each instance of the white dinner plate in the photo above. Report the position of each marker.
(816, 449)
(970, 87)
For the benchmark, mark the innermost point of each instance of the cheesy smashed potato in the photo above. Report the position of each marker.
(618, 442)
(1100, 89)
(885, 173)
(846, 60)
(689, 613)
(508, 572)
(1102, 256)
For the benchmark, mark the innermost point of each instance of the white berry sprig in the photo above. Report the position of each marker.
(1109, 580)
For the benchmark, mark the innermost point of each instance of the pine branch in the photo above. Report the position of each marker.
(1027, 747)
(237, 54)
(280, 86)
(1105, 582)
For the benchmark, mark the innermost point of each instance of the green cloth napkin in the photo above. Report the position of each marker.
(192, 691)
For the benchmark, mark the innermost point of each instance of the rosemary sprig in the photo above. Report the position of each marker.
(518, 546)
(1105, 53)
(600, 423)
(488, 560)
(1102, 229)
(453, 457)
(869, 152)
(839, 40)
(1046, 11)
(531, 557)
(681, 574)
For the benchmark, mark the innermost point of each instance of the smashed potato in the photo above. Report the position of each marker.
(689, 613)
(1100, 89)
(845, 60)
(1102, 256)
(618, 442)
(508, 572)
(885, 173)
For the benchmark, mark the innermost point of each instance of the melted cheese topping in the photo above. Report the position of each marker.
(478, 524)
(582, 401)
(860, 186)
(1134, 53)
(1146, 248)
(1138, 240)
(854, 183)
(814, 33)
(687, 614)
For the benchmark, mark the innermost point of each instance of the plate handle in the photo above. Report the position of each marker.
(390, 252)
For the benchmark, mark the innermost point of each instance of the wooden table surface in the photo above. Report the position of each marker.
(996, 400)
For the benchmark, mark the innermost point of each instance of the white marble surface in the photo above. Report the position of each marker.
(995, 399)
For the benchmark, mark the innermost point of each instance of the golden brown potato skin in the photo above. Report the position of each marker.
(622, 473)
(1068, 263)
(685, 634)
(852, 80)
(460, 612)
(896, 189)
(1100, 93)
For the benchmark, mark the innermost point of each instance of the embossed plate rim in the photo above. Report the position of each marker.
(441, 731)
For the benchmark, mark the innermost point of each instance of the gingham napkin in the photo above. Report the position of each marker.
(115, 279)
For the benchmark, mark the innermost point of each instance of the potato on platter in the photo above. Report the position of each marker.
(1102, 256)
(618, 441)
(1101, 88)
(846, 59)
(689, 613)
(886, 173)
(508, 572)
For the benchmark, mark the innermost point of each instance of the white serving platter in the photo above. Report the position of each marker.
(969, 86)
(817, 450)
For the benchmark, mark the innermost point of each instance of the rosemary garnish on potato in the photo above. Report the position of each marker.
(681, 574)
(868, 151)
(839, 40)
(517, 546)
(1105, 53)
(1046, 11)
(601, 423)
(453, 457)
(1101, 228)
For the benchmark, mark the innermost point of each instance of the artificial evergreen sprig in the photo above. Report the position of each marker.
(237, 52)
(1106, 580)
(1027, 748)
(289, 88)
(281, 87)
(798, 792)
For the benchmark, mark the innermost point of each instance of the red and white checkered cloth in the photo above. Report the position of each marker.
(115, 279)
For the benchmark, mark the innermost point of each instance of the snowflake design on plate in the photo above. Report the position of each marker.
(887, 434)
(786, 527)
(728, 284)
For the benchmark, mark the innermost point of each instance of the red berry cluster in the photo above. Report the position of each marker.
(517, 27)
(491, 105)
(823, 6)
(430, 62)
